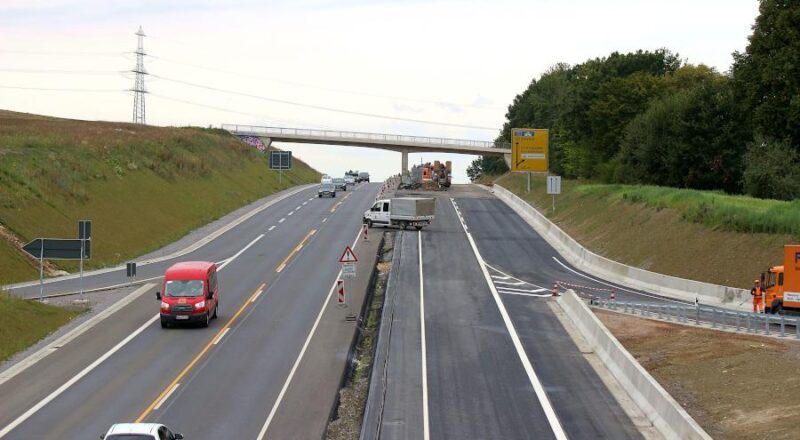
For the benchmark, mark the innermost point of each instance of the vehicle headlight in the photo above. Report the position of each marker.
(164, 305)
(200, 305)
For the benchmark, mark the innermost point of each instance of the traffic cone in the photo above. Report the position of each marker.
(555, 289)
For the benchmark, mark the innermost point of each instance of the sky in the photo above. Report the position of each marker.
(456, 65)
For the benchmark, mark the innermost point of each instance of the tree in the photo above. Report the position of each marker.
(486, 166)
(771, 169)
(767, 74)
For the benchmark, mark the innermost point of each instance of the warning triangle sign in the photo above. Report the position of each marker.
(348, 256)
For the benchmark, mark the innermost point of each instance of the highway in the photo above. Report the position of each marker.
(476, 354)
(226, 381)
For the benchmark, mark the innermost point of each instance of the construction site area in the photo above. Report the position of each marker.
(436, 176)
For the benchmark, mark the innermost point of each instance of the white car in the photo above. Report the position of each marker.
(140, 431)
(350, 180)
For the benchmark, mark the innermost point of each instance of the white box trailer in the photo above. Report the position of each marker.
(402, 212)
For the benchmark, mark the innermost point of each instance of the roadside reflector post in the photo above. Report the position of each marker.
(340, 298)
(613, 294)
(365, 232)
(555, 289)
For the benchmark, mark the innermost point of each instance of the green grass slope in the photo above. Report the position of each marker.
(26, 322)
(700, 235)
(143, 187)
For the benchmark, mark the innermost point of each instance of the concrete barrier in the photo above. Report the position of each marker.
(660, 408)
(610, 270)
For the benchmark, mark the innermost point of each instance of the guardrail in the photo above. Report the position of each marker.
(745, 322)
(354, 135)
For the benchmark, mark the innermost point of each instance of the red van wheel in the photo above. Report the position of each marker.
(205, 322)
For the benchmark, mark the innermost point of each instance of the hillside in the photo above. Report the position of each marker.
(142, 186)
(701, 235)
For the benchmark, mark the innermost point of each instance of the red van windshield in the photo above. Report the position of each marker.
(184, 288)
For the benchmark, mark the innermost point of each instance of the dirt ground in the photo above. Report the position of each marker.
(735, 386)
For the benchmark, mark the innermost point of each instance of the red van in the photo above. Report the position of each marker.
(190, 293)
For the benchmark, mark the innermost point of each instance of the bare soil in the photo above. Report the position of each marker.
(735, 386)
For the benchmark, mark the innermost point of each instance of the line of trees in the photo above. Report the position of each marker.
(648, 117)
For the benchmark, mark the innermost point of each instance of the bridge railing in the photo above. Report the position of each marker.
(335, 134)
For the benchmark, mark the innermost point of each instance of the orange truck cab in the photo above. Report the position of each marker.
(190, 293)
(782, 283)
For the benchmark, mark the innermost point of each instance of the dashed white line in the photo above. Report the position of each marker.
(305, 203)
(291, 213)
(282, 220)
(219, 337)
(271, 228)
(255, 297)
(298, 207)
(325, 219)
(541, 394)
(166, 396)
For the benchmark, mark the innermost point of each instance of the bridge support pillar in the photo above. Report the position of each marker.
(404, 162)
(507, 158)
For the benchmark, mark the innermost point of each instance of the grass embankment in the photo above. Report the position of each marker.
(735, 386)
(701, 235)
(143, 187)
(26, 322)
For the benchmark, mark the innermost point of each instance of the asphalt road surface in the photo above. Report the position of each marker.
(225, 381)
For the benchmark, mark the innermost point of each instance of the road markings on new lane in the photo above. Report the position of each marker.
(541, 394)
(225, 332)
(340, 203)
(75, 378)
(257, 294)
(164, 399)
(168, 390)
(510, 285)
(425, 419)
(236, 255)
(271, 228)
(294, 251)
(297, 361)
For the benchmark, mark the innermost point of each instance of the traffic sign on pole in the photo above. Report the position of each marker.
(58, 248)
(348, 270)
(348, 256)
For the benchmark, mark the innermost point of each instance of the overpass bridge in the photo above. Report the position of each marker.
(393, 142)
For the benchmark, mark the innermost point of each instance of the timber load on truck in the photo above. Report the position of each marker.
(782, 283)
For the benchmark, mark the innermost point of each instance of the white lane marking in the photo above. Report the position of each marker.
(271, 228)
(282, 220)
(217, 339)
(536, 295)
(506, 276)
(255, 297)
(509, 289)
(425, 419)
(166, 396)
(291, 213)
(544, 401)
(298, 207)
(498, 277)
(305, 203)
(288, 381)
(310, 199)
(76, 378)
(72, 334)
(230, 260)
(618, 287)
(325, 219)
(508, 283)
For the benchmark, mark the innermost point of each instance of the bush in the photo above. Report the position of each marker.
(771, 170)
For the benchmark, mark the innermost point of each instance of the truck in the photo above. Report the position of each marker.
(401, 212)
(363, 177)
(782, 283)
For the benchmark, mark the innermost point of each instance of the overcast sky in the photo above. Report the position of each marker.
(454, 62)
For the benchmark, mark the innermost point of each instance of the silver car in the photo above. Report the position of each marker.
(326, 190)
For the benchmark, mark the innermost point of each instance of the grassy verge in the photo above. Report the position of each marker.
(26, 322)
(143, 187)
(353, 396)
(735, 386)
(704, 236)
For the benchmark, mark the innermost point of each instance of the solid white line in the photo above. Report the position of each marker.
(230, 260)
(75, 378)
(617, 287)
(271, 228)
(218, 338)
(544, 401)
(282, 220)
(164, 399)
(288, 381)
(503, 289)
(425, 419)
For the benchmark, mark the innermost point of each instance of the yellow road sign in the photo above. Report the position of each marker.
(530, 148)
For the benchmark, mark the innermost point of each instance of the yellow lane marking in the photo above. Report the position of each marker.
(172, 385)
(285, 261)
(340, 202)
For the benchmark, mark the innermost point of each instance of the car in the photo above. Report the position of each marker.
(190, 293)
(363, 176)
(326, 179)
(326, 190)
(338, 182)
(140, 431)
(349, 180)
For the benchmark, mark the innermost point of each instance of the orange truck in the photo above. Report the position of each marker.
(782, 283)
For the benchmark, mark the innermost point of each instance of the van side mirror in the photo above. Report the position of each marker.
(210, 294)
(158, 295)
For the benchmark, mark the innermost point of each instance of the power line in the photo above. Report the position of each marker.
(64, 71)
(64, 53)
(328, 89)
(323, 108)
(55, 89)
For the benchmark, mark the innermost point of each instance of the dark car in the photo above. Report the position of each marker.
(339, 183)
(326, 190)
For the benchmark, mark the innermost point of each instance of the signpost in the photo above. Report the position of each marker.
(530, 150)
(554, 187)
(130, 270)
(57, 249)
(348, 260)
(280, 160)
(85, 236)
